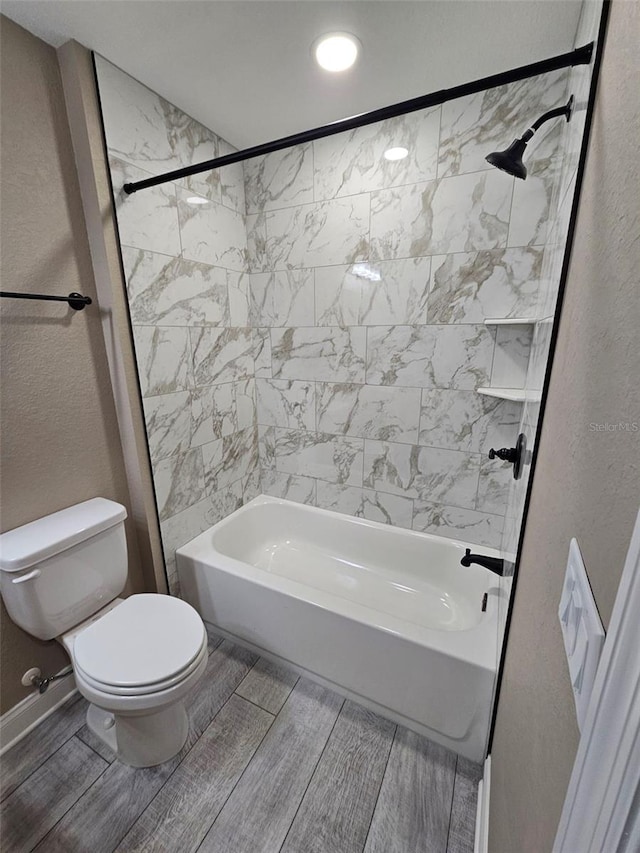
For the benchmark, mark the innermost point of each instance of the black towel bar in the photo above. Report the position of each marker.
(75, 300)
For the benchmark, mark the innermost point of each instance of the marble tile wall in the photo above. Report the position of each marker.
(188, 290)
(369, 285)
(316, 329)
(564, 168)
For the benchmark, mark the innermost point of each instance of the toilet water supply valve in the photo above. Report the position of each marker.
(33, 678)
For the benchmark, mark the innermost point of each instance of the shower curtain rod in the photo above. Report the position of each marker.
(579, 56)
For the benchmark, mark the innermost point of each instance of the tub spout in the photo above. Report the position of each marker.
(494, 564)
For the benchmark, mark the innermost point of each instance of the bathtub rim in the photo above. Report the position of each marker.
(477, 644)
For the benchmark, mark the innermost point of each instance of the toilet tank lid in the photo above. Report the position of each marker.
(45, 537)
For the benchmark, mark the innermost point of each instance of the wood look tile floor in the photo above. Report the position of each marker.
(272, 763)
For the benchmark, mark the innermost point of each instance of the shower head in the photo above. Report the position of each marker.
(510, 160)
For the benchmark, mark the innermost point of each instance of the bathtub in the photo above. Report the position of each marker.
(383, 615)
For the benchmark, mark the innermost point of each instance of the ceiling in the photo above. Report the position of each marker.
(244, 68)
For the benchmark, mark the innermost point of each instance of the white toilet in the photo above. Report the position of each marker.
(134, 659)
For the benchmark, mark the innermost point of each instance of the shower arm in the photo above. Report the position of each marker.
(555, 113)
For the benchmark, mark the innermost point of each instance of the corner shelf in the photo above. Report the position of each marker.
(515, 395)
(507, 321)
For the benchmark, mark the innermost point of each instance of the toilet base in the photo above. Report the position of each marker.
(142, 740)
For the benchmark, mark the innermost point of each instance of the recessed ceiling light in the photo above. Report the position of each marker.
(196, 199)
(395, 153)
(336, 51)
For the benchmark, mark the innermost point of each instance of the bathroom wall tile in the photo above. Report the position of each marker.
(231, 180)
(465, 525)
(191, 522)
(179, 482)
(354, 162)
(245, 401)
(286, 403)
(145, 130)
(256, 227)
(221, 355)
(493, 486)
(267, 448)
(457, 214)
(369, 411)
(212, 234)
(539, 355)
(238, 287)
(511, 358)
(532, 199)
(252, 483)
(328, 457)
(174, 291)
(229, 459)
(465, 420)
(292, 487)
(473, 126)
(427, 473)
(212, 413)
(472, 287)
(146, 219)
(365, 503)
(281, 179)
(262, 352)
(554, 251)
(373, 294)
(319, 353)
(310, 235)
(164, 359)
(168, 423)
(283, 298)
(438, 356)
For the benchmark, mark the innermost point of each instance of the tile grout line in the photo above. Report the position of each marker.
(311, 777)
(179, 764)
(44, 760)
(248, 764)
(453, 793)
(75, 802)
(384, 775)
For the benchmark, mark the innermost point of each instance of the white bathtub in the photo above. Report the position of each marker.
(386, 616)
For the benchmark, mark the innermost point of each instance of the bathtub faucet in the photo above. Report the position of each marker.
(494, 564)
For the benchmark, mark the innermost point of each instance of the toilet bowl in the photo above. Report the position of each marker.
(136, 662)
(136, 659)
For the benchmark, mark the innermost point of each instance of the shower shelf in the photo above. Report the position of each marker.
(509, 321)
(516, 395)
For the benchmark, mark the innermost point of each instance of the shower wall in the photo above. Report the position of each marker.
(562, 172)
(370, 283)
(185, 266)
(316, 329)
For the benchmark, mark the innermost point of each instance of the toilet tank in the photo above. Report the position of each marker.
(59, 570)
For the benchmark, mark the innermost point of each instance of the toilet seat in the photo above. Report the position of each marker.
(145, 645)
(145, 689)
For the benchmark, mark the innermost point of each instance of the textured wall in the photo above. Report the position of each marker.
(587, 479)
(370, 283)
(185, 265)
(60, 442)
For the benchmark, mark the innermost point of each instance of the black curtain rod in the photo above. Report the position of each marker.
(580, 56)
(75, 300)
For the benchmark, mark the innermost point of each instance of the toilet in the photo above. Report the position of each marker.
(134, 659)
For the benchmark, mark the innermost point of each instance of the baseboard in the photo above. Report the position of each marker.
(481, 844)
(26, 715)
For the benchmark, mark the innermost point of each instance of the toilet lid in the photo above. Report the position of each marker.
(146, 639)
